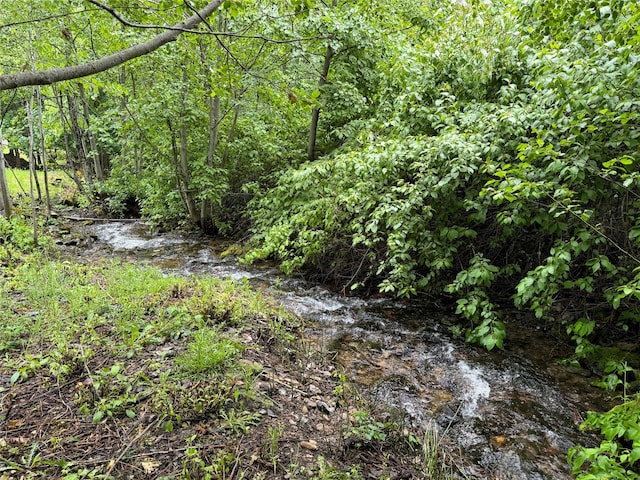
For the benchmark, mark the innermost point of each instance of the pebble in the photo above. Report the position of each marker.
(314, 390)
(309, 445)
(326, 408)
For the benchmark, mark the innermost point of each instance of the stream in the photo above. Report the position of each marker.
(512, 414)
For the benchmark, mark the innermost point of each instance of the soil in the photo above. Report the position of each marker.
(298, 408)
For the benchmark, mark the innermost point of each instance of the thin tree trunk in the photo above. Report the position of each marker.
(232, 133)
(45, 167)
(78, 137)
(213, 102)
(93, 144)
(32, 168)
(176, 161)
(315, 113)
(4, 187)
(43, 150)
(72, 164)
(184, 153)
(184, 168)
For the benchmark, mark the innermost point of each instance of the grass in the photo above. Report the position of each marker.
(18, 181)
(132, 340)
(62, 189)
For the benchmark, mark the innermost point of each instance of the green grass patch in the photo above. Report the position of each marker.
(123, 341)
(18, 181)
(123, 309)
(209, 352)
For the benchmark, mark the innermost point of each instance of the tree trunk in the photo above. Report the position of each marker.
(315, 113)
(72, 166)
(32, 169)
(78, 136)
(184, 152)
(213, 102)
(4, 188)
(93, 144)
(232, 133)
(43, 148)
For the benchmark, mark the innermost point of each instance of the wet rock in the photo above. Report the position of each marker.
(448, 415)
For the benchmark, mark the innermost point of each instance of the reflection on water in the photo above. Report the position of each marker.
(512, 413)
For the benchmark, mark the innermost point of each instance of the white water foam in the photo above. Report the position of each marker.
(474, 389)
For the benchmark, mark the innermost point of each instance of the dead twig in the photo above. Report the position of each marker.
(129, 445)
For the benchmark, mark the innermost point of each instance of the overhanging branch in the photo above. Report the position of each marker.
(54, 75)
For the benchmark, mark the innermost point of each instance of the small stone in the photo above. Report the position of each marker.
(320, 427)
(324, 407)
(309, 445)
(314, 390)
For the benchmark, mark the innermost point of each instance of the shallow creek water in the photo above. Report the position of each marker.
(512, 414)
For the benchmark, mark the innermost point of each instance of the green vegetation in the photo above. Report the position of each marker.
(483, 151)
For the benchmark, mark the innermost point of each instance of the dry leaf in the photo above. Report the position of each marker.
(15, 423)
(149, 465)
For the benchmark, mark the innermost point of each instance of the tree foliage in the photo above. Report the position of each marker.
(503, 154)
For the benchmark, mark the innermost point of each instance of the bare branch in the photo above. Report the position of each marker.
(44, 19)
(115, 14)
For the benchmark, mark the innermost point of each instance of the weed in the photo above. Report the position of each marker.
(178, 402)
(327, 472)
(28, 366)
(344, 391)
(14, 330)
(365, 429)
(210, 352)
(108, 393)
(239, 421)
(270, 448)
(433, 461)
(195, 467)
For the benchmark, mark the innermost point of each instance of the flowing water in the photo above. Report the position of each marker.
(513, 414)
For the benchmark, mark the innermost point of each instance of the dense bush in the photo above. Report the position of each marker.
(525, 178)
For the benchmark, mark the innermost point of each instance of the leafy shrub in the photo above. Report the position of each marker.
(526, 181)
(617, 455)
